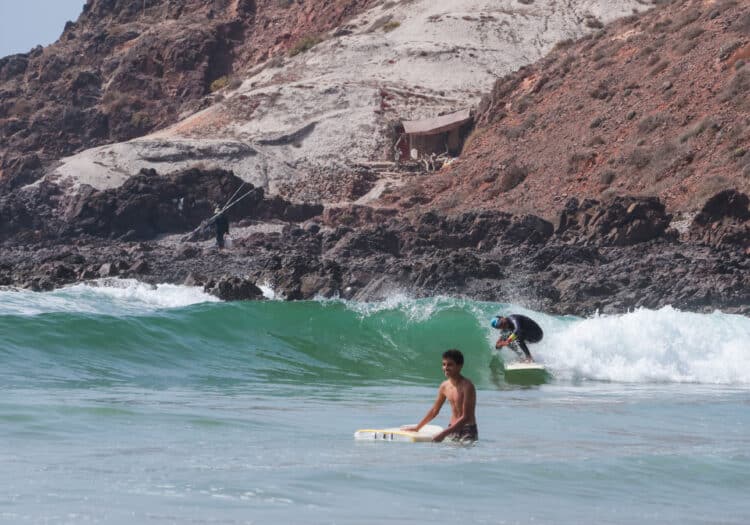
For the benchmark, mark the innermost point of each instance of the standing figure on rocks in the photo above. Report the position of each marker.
(523, 330)
(222, 227)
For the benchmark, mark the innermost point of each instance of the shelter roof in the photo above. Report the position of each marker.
(435, 125)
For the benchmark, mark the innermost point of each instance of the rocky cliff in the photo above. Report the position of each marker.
(607, 171)
(290, 95)
(126, 68)
(654, 104)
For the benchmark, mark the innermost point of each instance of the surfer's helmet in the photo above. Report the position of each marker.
(497, 321)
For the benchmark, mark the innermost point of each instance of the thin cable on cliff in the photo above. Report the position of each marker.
(203, 227)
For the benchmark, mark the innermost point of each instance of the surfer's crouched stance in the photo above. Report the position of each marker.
(523, 330)
(461, 394)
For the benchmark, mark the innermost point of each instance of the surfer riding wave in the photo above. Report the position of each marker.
(523, 330)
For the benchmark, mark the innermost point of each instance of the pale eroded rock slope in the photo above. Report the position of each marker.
(298, 126)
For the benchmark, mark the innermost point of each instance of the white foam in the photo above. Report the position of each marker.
(268, 291)
(415, 310)
(646, 346)
(106, 296)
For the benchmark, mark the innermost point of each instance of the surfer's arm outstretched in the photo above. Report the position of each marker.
(432, 413)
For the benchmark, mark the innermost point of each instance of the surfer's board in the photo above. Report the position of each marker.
(425, 434)
(526, 373)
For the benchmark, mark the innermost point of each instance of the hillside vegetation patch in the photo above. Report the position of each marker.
(737, 92)
(305, 44)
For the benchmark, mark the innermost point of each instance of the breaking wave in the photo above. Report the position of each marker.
(125, 331)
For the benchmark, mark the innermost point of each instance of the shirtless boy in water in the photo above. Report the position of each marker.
(461, 394)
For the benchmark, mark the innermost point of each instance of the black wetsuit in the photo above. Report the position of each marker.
(525, 330)
(222, 228)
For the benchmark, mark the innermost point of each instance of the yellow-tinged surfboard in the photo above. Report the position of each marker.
(398, 434)
(526, 373)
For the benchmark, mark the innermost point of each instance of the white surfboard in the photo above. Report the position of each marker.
(398, 434)
(524, 366)
(526, 373)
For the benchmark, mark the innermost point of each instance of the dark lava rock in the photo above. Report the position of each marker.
(234, 289)
(623, 221)
(724, 221)
(605, 257)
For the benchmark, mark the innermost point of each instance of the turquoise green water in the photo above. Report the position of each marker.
(124, 404)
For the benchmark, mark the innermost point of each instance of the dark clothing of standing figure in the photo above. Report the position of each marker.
(222, 228)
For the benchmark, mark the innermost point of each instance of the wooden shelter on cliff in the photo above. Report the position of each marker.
(444, 134)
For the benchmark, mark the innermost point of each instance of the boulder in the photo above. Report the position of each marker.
(727, 204)
(147, 205)
(623, 221)
(108, 270)
(529, 228)
(723, 222)
(234, 289)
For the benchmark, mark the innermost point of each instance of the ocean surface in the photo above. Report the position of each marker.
(127, 404)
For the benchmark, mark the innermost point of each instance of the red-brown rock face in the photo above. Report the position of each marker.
(656, 104)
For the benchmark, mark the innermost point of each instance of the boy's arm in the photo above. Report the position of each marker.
(431, 414)
(467, 413)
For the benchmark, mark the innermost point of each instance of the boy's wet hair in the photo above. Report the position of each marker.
(455, 355)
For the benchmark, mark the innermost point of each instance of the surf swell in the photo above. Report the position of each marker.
(131, 333)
